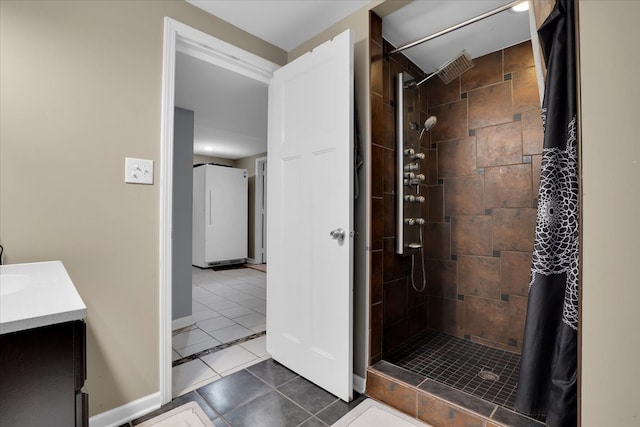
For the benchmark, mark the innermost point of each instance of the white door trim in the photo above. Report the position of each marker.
(180, 37)
(258, 243)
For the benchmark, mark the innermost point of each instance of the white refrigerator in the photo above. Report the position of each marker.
(220, 215)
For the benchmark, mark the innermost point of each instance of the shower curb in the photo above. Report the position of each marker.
(458, 408)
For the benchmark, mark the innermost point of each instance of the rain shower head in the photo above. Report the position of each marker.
(428, 125)
(452, 69)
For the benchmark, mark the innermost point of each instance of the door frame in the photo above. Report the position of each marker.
(259, 230)
(179, 37)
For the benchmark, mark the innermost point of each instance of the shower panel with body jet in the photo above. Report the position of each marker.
(409, 135)
(409, 201)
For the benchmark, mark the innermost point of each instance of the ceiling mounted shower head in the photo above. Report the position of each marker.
(452, 69)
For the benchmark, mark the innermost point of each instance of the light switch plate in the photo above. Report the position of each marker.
(138, 171)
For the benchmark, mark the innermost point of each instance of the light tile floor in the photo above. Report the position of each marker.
(227, 305)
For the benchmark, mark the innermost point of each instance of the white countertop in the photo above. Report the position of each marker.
(37, 294)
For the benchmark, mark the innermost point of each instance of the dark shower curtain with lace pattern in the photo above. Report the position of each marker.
(547, 386)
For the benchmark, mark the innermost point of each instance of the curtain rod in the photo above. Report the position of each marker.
(457, 26)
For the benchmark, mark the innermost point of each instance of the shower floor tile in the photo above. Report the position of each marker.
(485, 372)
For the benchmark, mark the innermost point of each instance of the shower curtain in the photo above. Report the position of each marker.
(548, 371)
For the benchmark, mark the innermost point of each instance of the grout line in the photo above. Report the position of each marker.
(217, 348)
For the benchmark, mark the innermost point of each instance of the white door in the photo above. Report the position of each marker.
(309, 283)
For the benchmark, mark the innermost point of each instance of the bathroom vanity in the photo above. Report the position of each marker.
(42, 347)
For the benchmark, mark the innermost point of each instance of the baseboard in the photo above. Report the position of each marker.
(182, 322)
(252, 261)
(359, 384)
(125, 413)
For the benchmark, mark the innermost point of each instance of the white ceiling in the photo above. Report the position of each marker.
(423, 18)
(283, 23)
(231, 110)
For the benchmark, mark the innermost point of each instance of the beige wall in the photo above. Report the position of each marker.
(80, 90)
(609, 33)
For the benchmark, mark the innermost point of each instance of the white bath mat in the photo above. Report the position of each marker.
(187, 415)
(371, 413)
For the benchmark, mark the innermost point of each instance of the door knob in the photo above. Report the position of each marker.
(338, 234)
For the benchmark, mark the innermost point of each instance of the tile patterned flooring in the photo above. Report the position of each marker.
(488, 373)
(265, 394)
(228, 305)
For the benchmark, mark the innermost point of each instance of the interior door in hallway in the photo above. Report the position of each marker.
(310, 216)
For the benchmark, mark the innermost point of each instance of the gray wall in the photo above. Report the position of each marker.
(182, 212)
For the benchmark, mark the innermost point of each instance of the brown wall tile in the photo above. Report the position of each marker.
(377, 164)
(515, 273)
(442, 278)
(389, 127)
(389, 215)
(377, 119)
(495, 344)
(396, 395)
(439, 413)
(438, 234)
(479, 276)
(376, 277)
(457, 157)
(377, 222)
(499, 145)
(375, 330)
(525, 91)
(517, 317)
(487, 70)
(376, 76)
(536, 169)
(487, 318)
(432, 168)
(507, 186)
(447, 315)
(435, 203)
(424, 100)
(417, 319)
(387, 81)
(464, 195)
(471, 235)
(532, 135)
(393, 264)
(395, 301)
(440, 93)
(518, 57)
(490, 105)
(513, 229)
(389, 171)
(394, 335)
(375, 27)
(415, 297)
(452, 121)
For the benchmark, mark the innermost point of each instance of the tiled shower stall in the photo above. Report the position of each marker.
(482, 169)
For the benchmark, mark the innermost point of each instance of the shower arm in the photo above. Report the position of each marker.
(457, 26)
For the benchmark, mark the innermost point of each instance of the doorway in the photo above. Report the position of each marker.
(326, 154)
(182, 39)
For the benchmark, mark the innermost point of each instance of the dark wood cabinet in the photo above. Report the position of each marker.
(42, 372)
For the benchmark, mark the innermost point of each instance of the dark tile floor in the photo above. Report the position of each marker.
(264, 395)
(488, 373)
